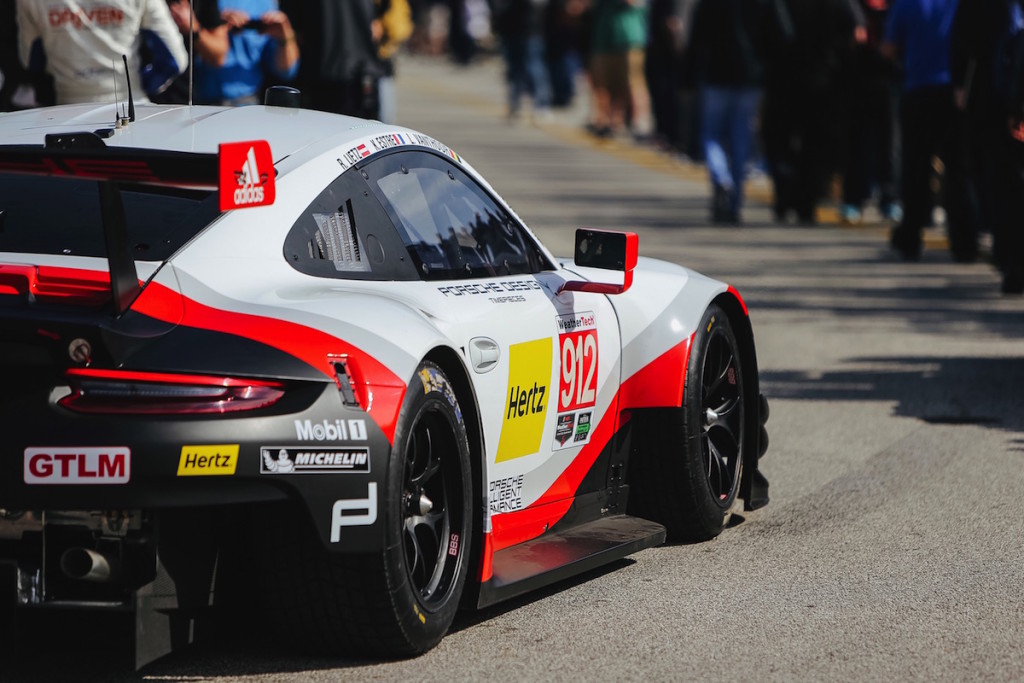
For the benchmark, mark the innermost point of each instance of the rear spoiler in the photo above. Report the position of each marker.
(241, 172)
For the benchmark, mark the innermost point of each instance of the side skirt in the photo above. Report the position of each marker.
(565, 553)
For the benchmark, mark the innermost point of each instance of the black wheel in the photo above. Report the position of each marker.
(402, 600)
(431, 526)
(687, 473)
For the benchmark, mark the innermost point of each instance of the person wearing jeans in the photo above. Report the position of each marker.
(727, 125)
(728, 41)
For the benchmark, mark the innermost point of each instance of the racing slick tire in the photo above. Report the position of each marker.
(402, 600)
(691, 461)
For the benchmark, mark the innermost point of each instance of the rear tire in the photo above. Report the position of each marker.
(690, 462)
(400, 601)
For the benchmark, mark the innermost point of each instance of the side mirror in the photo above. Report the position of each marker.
(608, 250)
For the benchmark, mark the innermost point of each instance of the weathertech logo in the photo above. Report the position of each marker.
(246, 175)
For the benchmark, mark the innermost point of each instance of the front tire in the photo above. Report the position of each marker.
(690, 463)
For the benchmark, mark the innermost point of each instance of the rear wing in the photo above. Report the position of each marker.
(241, 172)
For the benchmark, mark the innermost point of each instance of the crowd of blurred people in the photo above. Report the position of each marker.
(905, 104)
(910, 104)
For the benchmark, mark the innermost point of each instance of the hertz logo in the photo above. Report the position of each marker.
(529, 376)
(522, 402)
(200, 461)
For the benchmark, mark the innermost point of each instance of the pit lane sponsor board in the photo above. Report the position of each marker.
(77, 465)
(303, 460)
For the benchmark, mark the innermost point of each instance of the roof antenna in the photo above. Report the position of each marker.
(191, 45)
(131, 100)
(117, 102)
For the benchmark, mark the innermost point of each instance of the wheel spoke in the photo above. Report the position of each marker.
(720, 386)
(728, 415)
(722, 406)
(427, 523)
(414, 554)
(719, 470)
(423, 464)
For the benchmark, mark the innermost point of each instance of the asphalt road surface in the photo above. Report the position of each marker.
(892, 548)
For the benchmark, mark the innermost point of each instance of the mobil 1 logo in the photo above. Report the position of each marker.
(331, 430)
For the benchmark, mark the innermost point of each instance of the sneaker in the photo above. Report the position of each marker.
(721, 205)
(891, 211)
(849, 214)
(541, 117)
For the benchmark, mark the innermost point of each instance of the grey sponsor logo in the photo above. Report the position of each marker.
(354, 512)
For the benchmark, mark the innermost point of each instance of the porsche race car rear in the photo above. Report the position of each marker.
(137, 437)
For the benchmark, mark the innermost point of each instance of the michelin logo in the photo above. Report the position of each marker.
(339, 430)
(284, 460)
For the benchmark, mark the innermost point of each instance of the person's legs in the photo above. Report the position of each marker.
(639, 96)
(715, 132)
(1007, 195)
(778, 129)
(958, 199)
(714, 108)
(600, 95)
(618, 88)
(744, 114)
(515, 72)
(537, 70)
(917, 152)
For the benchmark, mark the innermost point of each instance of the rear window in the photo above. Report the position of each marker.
(46, 215)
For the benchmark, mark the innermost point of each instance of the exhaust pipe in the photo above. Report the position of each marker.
(83, 564)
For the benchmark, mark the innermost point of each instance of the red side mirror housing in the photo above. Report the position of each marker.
(606, 249)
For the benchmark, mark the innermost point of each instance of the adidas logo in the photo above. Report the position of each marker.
(250, 181)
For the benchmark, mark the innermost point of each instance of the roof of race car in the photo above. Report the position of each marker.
(191, 129)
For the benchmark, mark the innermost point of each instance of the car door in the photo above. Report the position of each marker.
(544, 364)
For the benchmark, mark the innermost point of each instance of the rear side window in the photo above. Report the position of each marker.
(345, 234)
(46, 215)
(450, 226)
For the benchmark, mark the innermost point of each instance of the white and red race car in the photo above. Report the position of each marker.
(275, 354)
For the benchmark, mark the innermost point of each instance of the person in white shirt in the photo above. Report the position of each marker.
(80, 43)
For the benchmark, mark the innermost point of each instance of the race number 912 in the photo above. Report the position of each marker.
(578, 385)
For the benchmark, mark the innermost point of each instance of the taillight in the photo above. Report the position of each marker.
(128, 392)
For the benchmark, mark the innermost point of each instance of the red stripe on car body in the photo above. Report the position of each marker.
(306, 343)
